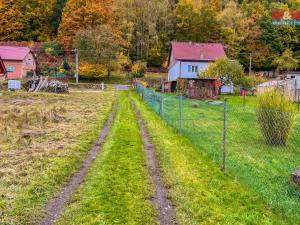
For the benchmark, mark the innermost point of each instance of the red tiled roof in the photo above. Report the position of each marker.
(197, 51)
(13, 53)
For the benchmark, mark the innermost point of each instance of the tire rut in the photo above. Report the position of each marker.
(161, 201)
(55, 207)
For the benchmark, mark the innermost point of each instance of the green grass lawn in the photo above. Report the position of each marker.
(202, 194)
(250, 101)
(60, 129)
(115, 78)
(117, 189)
(264, 169)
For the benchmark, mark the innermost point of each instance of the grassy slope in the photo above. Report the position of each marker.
(203, 194)
(263, 168)
(117, 189)
(33, 170)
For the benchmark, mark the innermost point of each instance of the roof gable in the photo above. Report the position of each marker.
(13, 53)
(189, 51)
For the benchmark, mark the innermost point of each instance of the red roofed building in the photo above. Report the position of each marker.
(18, 61)
(2, 69)
(187, 59)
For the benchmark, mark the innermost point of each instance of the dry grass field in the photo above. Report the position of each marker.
(43, 139)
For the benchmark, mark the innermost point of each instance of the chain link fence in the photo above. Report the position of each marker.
(232, 136)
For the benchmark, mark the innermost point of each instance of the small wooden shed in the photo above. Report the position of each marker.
(199, 88)
(169, 86)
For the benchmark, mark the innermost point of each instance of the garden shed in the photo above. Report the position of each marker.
(199, 88)
(169, 86)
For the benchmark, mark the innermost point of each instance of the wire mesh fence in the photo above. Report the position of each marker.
(262, 155)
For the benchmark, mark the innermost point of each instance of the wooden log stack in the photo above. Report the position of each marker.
(44, 85)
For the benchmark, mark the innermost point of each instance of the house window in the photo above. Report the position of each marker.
(192, 69)
(28, 61)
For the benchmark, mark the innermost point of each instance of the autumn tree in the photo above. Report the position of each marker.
(228, 71)
(38, 15)
(100, 46)
(209, 26)
(146, 26)
(234, 28)
(194, 24)
(12, 21)
(57, 14)
(286, 61)
(186, 17)
(79, 14)
(253, 45)
(138, 70)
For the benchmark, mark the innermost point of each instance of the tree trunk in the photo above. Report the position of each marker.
(108, 73)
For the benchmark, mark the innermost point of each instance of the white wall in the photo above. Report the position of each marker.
(174, 72)
(185, 72)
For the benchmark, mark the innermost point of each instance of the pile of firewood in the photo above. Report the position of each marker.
(40, 84)
(56, 87)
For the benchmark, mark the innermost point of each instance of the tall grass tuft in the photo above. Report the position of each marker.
(275, 115)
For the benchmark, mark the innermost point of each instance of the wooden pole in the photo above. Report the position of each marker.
(77, 65)
(250, 64)
(223, 167)
(180, 113)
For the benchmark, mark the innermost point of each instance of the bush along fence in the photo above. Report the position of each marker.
(259, 146)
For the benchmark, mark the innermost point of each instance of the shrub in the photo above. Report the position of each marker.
(138, 69)
(157, 55)
(252, 81)
(92, 71)
(275, 115)
(47, 70)
(53, 48)
(228, 71)
(29, 73)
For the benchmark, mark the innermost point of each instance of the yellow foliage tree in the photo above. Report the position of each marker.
(92, 71)
(79, 14)
(12, 22)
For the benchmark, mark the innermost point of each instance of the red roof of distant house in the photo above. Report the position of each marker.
(13, 53)
(189, 51)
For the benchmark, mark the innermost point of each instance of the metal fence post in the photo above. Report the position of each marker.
(295, 92)
(180, 113)
(224, 137)
(161, 111)
(298, 102)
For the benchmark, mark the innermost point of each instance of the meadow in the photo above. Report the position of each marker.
(264, 169)
(44, 138)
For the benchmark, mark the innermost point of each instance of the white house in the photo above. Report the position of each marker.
(187, 59)
(293, 75)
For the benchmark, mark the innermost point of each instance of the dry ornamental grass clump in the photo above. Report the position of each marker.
(275, 115)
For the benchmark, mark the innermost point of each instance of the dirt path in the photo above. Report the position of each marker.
(163, 205)
(55, 208)
(121, 87)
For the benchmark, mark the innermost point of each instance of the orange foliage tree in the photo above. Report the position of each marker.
(79, 14)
